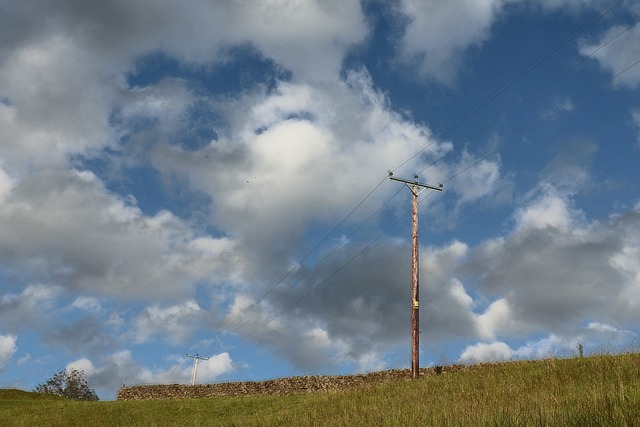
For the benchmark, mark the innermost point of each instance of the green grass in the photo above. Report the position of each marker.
(590, 391)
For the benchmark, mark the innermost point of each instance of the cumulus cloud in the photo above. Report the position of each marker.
(438, 34)
(356, 313)
(66, 227)
(497, 319)
(176, 322)
(29, 308)
(481, 352)
(8, 348)
(287, 158)
(549, 274)
(555, 270)
(86, 335)
(90, 304)
(214, 367)
(549, 210)
(498, 351)
(481, 178)
(618, 57)
(64, 65)
(85, 365)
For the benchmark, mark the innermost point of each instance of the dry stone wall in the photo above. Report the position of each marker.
(306, 384)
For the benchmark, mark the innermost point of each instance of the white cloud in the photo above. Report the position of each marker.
(214, 367)
(359, 315)
(605, 329)
(480, 180)
(103, 243)
(166, 103)
(497, 319)
(85, 365)
(617, 56)
(8, 348)
(595, 337)
(177, 322)
(296, 155)
(60, 104)
(549, 210)
(64, 66)
(554, 272)
(551, 346)
(482, 352)
(439, 34)
(87, 304)
(627, 262)
(308, 37)
(31, 307)
(458, 292)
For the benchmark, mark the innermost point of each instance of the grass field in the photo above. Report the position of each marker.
(590, 391)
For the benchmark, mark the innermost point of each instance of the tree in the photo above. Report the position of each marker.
(70, 384)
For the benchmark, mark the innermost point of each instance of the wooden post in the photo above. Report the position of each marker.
(415, 287)
(414, 186)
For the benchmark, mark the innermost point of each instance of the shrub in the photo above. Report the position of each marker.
(71, 384)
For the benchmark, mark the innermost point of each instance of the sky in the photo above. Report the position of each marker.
(211, 177)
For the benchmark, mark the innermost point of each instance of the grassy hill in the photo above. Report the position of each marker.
(590, 391)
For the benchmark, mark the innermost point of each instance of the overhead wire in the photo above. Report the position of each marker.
(358, 253)
(321, 283)
(475, 108)
(514, 79)
(326, 256)
(299, 262)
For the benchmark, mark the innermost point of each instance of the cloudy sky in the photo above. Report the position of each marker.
(211, 177)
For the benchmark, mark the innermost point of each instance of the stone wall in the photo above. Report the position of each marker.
(306, 384)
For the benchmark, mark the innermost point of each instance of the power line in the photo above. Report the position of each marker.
(476, 107)
(351, 259)
(316, 247)
(325, 257)
(322, 283)
(513, 80)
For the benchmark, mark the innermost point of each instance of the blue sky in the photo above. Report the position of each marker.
(211, 177)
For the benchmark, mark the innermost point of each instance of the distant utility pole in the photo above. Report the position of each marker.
(414, 186)
(194, 371)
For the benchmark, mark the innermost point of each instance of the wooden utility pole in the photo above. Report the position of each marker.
(194, 371)
(415, 186)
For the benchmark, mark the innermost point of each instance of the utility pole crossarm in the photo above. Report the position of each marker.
(408, 182)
